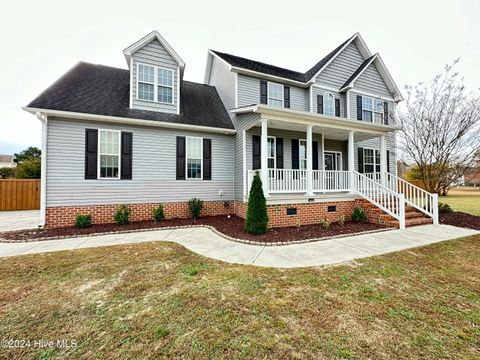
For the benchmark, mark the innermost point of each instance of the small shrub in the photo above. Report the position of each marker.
(359, 215)
(256, 220)
(158, 213)
(444, 208)
(122, 215)
(298, 224)
(190, 270)
(341, 220)
(194, 207)
(83, 221)
(325, 223)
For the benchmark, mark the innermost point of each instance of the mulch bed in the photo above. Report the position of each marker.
(232, 227)
(461, 219)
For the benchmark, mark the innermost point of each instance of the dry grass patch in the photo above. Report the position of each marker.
(160, 300)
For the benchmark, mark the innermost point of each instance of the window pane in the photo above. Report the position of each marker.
(275, 91)
(165, 77)
(194, 168)
(367, 103)
(379, 105)
(368, 168)
(378, 118)
(328, 104)
(109, 154)
(165, 94)
(146, 73)
(275, 103)
(367, 115)
(194, 148)
(145, 91)
(109, 166)
(270, 147)
(271, 163)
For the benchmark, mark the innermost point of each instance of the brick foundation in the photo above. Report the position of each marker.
(63, 216)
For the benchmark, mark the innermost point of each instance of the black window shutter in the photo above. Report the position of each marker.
(263, 92)
(337, 107)
(286, 97)
(385, 113)
(181, 157)
(320, 104)
(207, 159)
(388, 161)
(256, 152)
(91, 150)
(279, 154)
(126, 153)
(315, 154)
(359, 108)
(360, 160)
(295, 154)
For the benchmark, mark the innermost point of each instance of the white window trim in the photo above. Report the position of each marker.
(325, 96)
(268, 93)
(336, 152)
(374, 160)
(156, 84)
(186, 158)
(99, 176)
(373, 110)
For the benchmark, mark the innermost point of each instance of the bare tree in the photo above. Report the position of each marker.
(440, 129)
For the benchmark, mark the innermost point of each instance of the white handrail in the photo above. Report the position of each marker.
(388, 200)
(416, 197)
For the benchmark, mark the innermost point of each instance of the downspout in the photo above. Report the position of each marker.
(43, 176)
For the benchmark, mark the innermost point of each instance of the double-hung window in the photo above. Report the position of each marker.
(371, 161)
(275, 95)
(155, 84)
(372, 110)
(302, 154)
(194, 157)
(109, 154)
(271, 152)
(328, 104)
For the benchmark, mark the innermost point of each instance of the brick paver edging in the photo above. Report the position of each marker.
(251, 242)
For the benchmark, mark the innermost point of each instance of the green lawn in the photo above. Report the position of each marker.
(159, 300)
(463, 199)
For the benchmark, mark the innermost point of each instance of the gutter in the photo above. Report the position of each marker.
(43, 176)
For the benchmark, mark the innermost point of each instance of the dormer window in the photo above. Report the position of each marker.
(155, 84)
(328, 104)
(275, 95)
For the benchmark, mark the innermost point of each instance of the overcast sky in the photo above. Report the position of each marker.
(41, 40)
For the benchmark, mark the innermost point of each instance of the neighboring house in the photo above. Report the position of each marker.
(6, 161)
(323, 140)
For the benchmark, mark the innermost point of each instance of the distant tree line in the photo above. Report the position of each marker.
(28, 165)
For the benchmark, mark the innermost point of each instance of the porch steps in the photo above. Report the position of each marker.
(413, 217)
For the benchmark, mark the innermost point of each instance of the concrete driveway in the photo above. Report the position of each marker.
(19, 220)
(205, 242)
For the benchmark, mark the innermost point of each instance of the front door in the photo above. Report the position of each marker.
(333, 162)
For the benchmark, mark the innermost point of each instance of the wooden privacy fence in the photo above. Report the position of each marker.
(19, 194)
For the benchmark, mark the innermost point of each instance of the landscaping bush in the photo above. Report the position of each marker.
(325, 223)
(341, 220)
(122, 215)
(194, 207)
(359, 215)
(256, 219)
(158, 213)
(444, 208)
(83, 221)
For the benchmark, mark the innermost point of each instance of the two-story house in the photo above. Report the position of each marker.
(323, 141)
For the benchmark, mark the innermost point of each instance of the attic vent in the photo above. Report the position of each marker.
(332, 208)
(291, 211)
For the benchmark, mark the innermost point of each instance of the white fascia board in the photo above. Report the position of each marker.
(126, 121)
(148, 38)
(382, 69)
(208, 68)
(219, 58)
(272, 78)
(308, 118)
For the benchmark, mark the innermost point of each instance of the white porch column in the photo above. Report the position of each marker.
(351, 159)
(309, 161)
(383, 160)
(264, 158)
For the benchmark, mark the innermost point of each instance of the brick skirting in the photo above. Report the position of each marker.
(64, 216)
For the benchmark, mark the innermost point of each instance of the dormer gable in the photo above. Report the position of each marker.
(156, 72)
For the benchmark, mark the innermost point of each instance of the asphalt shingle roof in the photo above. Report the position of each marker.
(268, 69)
(104, 90)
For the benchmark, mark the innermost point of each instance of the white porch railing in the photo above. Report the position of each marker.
(331, 180)
(287, 181)
(391, 202)
(414, 196)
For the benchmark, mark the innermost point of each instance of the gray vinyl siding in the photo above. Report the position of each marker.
(224, 82)
(337, 145)
(154, 54)
(372, 82)
(375, 144)
(353, 106)
(154, 167)
(249, 93)
(341, 68)
(320, 91)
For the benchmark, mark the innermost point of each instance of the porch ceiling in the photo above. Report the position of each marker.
(328, 132)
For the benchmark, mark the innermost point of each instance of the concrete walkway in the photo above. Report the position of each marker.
(205, 242)
(19, 220)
